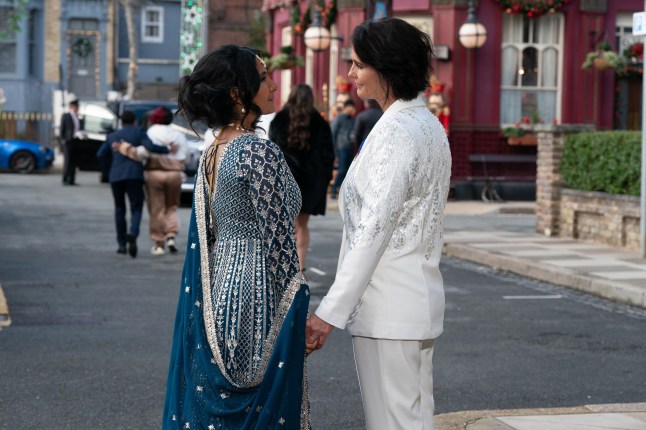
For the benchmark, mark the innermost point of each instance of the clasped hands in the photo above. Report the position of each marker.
(316, 333)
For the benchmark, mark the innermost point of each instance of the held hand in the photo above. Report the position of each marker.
(316, 333)
(310, 348)
(121, 146)
(173, 148)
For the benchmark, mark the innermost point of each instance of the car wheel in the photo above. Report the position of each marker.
(22, 162)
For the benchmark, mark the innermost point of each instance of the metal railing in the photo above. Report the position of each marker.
(33, 126)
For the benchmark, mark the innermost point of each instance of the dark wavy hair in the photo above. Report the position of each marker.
(399, 52)
(299, 105)
(205, 94)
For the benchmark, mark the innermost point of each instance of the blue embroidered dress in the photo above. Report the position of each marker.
(238, 353)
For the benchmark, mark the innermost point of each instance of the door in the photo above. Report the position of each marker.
(83, 53)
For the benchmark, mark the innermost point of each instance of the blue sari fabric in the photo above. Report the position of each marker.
(238, 351)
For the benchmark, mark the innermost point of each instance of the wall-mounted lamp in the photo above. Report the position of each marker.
(317, 37)
(472, 33)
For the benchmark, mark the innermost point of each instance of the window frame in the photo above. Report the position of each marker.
(11, 41)
(146, 24)
(623, 32)
(520, 46)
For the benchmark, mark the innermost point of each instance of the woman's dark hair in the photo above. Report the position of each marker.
(300, 105)
(205, 94)
(399, 52)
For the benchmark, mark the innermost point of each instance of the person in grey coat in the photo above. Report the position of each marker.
(364, 122)
(342, 127)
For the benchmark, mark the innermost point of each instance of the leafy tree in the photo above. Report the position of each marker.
(130, 7)
(12, 24)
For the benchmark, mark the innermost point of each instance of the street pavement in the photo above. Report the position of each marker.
(502, 235)
(501, 241)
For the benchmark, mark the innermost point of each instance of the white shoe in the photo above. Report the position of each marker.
(157, 250)
(172, 247)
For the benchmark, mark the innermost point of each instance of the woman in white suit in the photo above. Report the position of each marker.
(388, 291)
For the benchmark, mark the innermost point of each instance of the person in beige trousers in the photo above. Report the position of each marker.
(163, 175)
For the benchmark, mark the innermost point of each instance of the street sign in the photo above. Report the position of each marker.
(639, 24)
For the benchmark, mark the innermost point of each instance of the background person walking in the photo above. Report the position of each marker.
(365, 121)
(126, 178)
(306, 140)
(342, 127)
(163, 175)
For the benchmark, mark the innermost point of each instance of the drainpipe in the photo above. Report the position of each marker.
(642, 217)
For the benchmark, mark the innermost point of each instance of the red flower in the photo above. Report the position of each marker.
(637, 50)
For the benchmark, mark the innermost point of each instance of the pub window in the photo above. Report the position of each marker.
(531, 68)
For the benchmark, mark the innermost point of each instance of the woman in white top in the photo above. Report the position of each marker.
(388, 291)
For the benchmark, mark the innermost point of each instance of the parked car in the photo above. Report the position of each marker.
(98, 121)
(23, 156)
(196, 146)
(142, 108)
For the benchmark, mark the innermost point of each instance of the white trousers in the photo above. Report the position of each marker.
(396, 380)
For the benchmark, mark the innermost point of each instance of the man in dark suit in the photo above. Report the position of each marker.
(69, 132)
(126, 176)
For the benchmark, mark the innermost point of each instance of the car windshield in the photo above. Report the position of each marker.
(97, 118)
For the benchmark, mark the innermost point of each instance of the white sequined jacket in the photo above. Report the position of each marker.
(388, 284)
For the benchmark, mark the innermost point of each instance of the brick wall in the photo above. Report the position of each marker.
(600, 217)
(589, 216)
(548, 181)
(52, 21)
(157, 91)
(487, 140)
(229, 22)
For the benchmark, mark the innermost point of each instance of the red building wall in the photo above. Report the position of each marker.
(472, 78)
(229, 22)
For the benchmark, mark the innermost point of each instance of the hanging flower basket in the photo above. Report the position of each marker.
(605, 58)
(285, 60)
(601, 63)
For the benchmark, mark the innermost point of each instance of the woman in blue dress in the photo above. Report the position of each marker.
(238, 352)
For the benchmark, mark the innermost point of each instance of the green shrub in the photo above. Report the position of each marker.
(608, 161)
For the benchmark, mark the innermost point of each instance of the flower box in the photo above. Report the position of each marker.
(524, 140)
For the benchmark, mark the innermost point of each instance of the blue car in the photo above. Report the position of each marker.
(23, 156)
